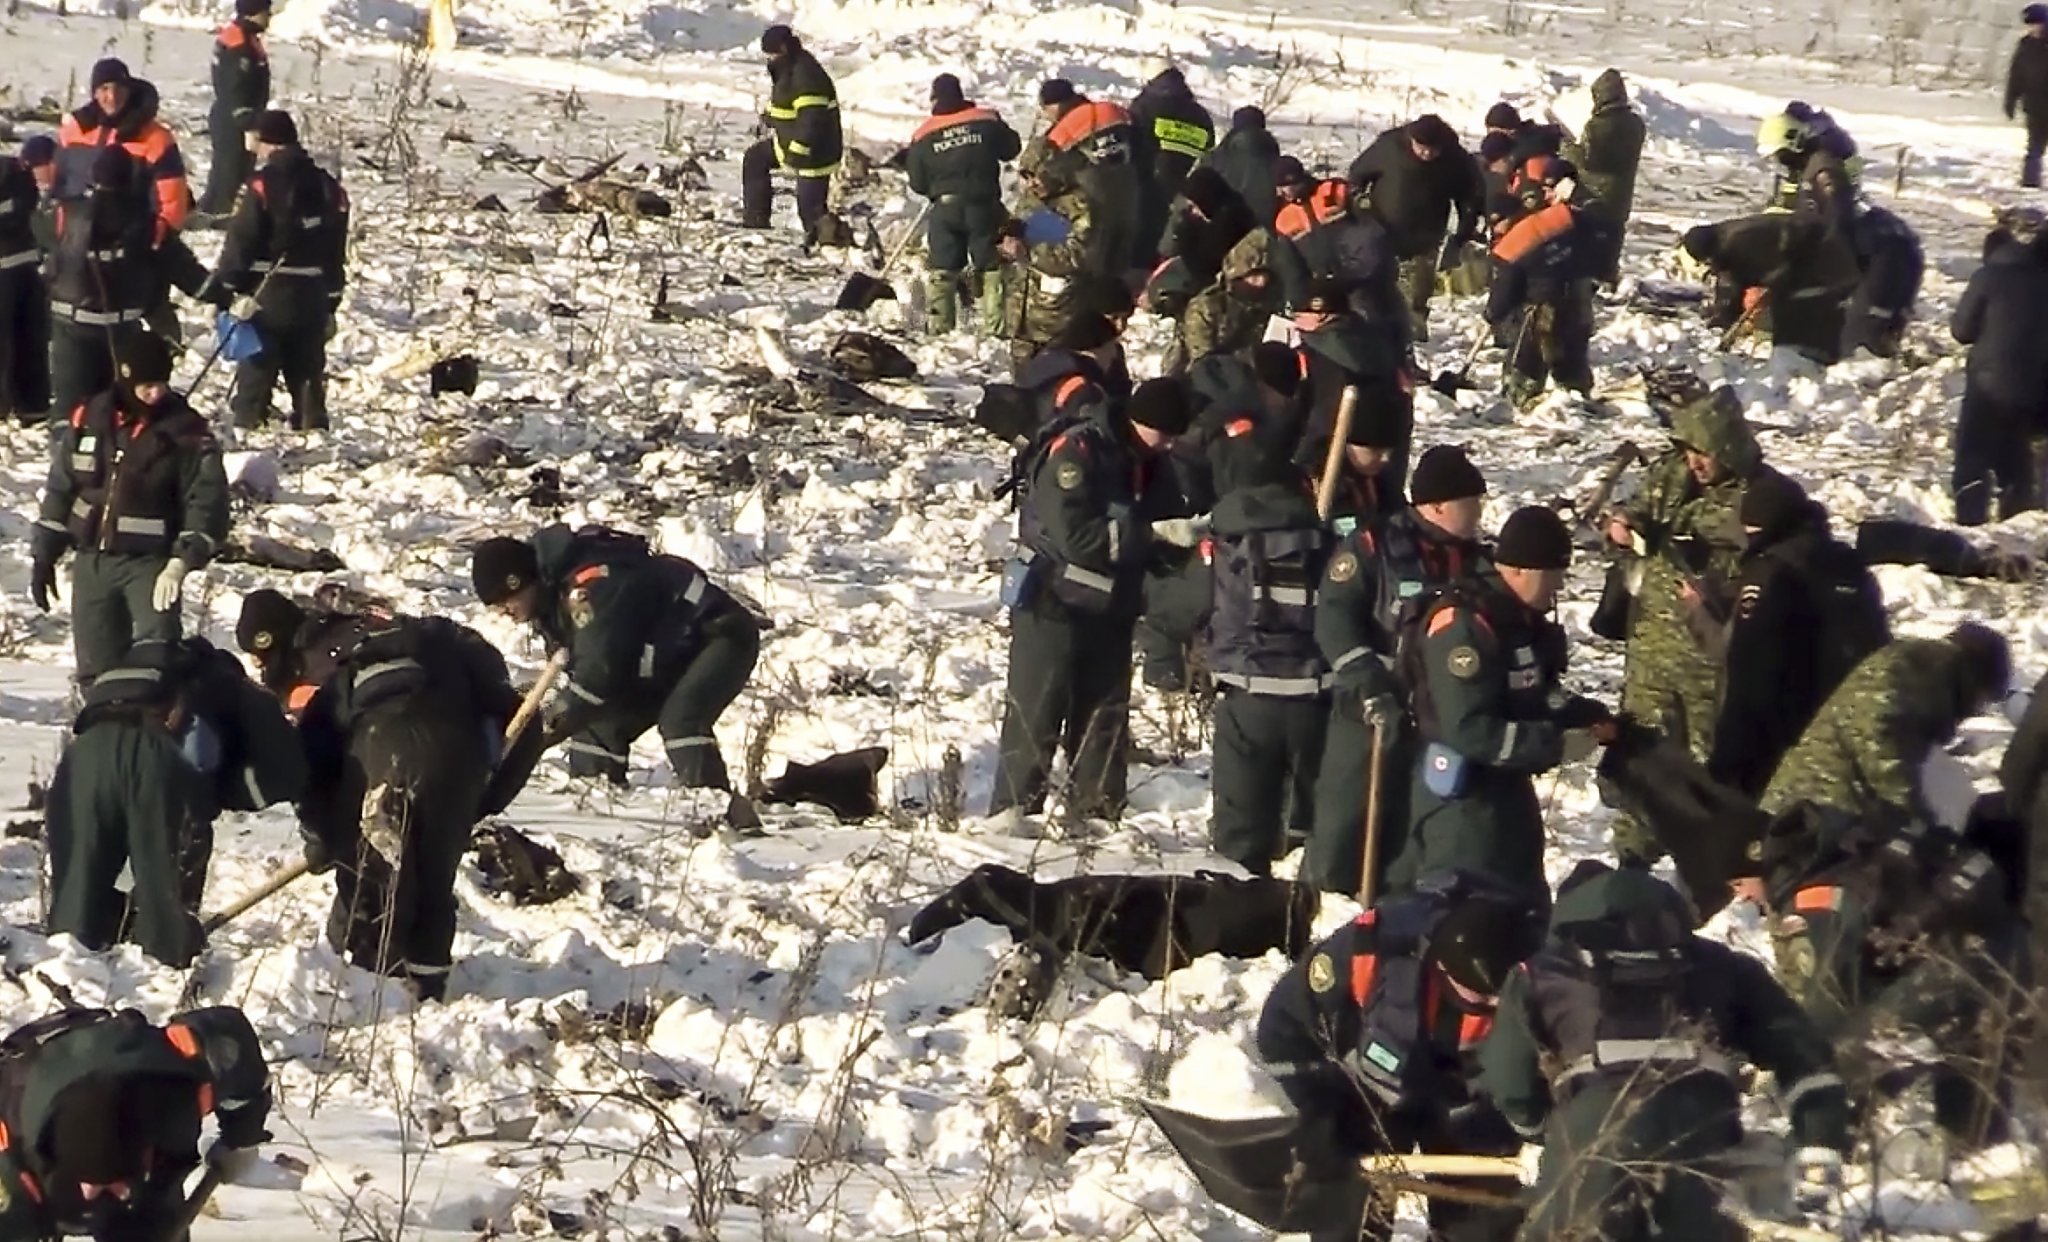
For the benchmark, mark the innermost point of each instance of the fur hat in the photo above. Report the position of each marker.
(501, 568)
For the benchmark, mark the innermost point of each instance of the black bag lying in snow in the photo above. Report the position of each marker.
(842, 784)
(1151, 924)
(518, 867)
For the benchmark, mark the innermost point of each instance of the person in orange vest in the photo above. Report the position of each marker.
(1102, 135)
(241, 93)
(123, 112)
(1327, 238)
(103, 1113)
(1375, 1040)
(956, 159)
(1542, 295)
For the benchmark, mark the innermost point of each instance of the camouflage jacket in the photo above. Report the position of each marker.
(1863, 751)
(1037, 290)
(1221, 319)
(1688, 532)
(1608, 154)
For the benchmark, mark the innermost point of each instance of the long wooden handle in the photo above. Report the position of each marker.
(1425, 1165)
(529, 707)
(903, 244)
(1333, 461)
(1369, 866)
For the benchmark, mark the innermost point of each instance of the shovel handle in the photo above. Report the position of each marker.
(903, 243)
(1333, 461)
(1369, 864)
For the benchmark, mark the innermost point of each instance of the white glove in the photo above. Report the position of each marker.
(1181, 532)
(1817, 1186)
(1691, 267)
(243, 308)
(170, 585)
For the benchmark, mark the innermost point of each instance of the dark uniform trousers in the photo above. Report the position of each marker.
(757, 190)
(1263, 780)
(1993, 474)
(1631, 1170)
(1069, 688)
(294, 348)
(120, 784)
(111, 608)
(961, 232)
(24, 345)
(1176, 599)
(2037, 142)
(686, 715)
(231, 166)
(1335, 860)
(397, 915)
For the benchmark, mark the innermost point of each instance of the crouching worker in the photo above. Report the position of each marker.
(403, 722)
(100, 1116)
(168, 739)
(652, 642)
(1373, 1039)
(1616, 1048)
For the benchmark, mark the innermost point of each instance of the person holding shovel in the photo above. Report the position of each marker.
(1373, 1039)
(1616, 1047)
(102, 1115)
(1382, 567)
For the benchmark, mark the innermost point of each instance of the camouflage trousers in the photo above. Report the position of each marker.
(1677, 691)
(1417, 278)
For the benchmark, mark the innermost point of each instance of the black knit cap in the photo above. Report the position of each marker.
(1772, 501)
(1444, 473)
(1480, 940)
(251, 8)
(277, 128)
(1085, 334)
(778, 39)
(1289, 171)
(1702, 242)
(1534, 537)
(1248, 118)
(110, 72)
(947, 92)
(1380, 423)
(501, 568)
(1503, 116)
(1432, 131)
(1162, 404)
(38, 150)
(1496, 146)
(1987, 661)
(89, 1141)
(268, 622)
(146, 359)
(1056, 91)
(1097, 294)
(1277, 367)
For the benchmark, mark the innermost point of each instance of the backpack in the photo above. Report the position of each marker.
(1849, 613)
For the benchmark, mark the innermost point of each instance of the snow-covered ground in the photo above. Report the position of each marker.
(780, 1064)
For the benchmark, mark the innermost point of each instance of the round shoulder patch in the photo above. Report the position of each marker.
(1068, 475)
(1463, 662)
(1344, 568)
(580, 609)
(1322, 973)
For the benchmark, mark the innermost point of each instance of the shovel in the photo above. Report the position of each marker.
(1451, 383)
(862, 290)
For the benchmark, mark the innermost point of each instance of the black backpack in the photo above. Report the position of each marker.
(1848, 608)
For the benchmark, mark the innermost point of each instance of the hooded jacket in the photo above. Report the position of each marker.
(137, 130)
(1610, 150)
(2000, 316)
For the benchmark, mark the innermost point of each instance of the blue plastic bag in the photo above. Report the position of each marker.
(1046, 227)
(239, 340)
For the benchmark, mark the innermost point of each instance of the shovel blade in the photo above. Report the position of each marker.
(862, 291)
(1248, 1164)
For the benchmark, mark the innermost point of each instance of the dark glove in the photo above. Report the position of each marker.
(1582, 713)
(1368, 709)
(219, 296)
(319, 858)
(42, 582)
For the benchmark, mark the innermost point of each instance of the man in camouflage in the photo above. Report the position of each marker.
(1230, 316)
(1864, 751)
(1043, 253)
(1607, 156)
(1682, 527)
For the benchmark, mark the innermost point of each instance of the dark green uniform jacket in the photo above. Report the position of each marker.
(241, 75)
(137, 480)
(961, 155)
(205, 1062)
(288, 239)
(1080, 521)
(803, 114)
(1608, 154)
